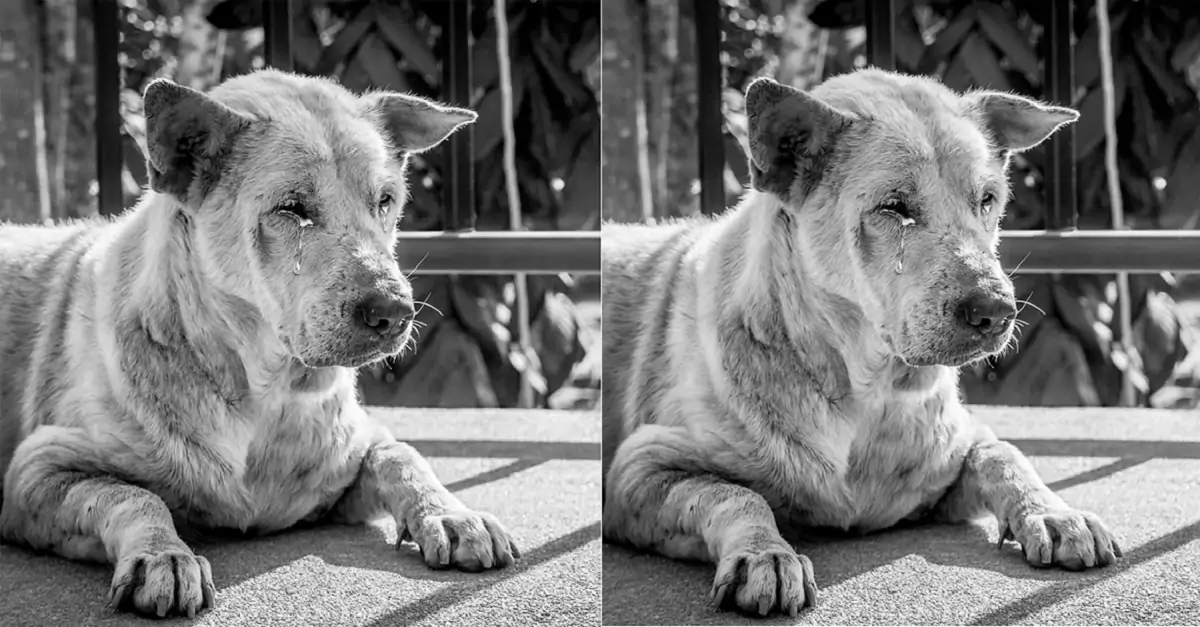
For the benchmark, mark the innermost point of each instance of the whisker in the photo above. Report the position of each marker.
(418, 265)
(422, 304)
(1014, 270)
(1026, 303)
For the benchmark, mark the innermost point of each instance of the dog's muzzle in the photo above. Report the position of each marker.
(383, 315)
(987, 315)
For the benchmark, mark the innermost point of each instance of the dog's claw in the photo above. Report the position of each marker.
(718, 594)
(1005, 534)
(117, 595)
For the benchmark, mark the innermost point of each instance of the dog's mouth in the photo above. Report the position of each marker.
(962, 349)
(359, 349)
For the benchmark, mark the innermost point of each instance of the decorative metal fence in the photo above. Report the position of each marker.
(457, 250)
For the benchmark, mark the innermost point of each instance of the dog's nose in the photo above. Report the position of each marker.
(384, 314)
(987, 314)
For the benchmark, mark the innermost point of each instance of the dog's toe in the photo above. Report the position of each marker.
(761, 583)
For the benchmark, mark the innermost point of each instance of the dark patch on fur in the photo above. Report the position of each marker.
(792, 138)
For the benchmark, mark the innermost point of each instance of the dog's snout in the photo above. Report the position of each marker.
(987, 314)
(384, 314)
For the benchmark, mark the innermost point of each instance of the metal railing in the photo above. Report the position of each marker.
(459, 249)
(1061, 248)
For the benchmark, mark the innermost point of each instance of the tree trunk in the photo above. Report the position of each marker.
(59, 61)
(624, 150)
(24, 189)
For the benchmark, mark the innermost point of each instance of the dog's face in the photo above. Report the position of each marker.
(898, 185)
(292, 188)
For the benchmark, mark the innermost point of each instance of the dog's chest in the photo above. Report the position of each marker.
(290, 462)
(881, 461)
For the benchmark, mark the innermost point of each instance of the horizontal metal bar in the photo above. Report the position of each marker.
(1086, 252)
(499, 252)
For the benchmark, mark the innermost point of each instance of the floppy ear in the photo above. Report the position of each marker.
(188, 135)
(416, 124)
(791, 134)
(1019, 123)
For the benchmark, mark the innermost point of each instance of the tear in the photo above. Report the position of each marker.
(303, 223)
(905, 222)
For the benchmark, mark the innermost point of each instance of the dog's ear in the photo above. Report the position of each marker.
(791, 134)
(416, 124)
(188, 135)
(1018, 123)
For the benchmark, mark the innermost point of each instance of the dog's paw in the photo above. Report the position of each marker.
(162, 582)
(466, 540)
(760, 581)
(1067, 538)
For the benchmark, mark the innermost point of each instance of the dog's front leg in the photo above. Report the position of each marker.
(61, 495)
(657, 498)
(997, 478)
(396, 480)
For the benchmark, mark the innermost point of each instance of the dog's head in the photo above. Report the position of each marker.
(290, 189)
(898, 185)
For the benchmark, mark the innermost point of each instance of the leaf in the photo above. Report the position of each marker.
(1187, 50)
(570, 86)
(306, 48)
(586, 48)
(1168, 85)
(485, 63)
(981, 62)
(909, 47)
(999, 27)
(1181, 211)
(380, 64)
(957, 76)
(489, 131)
(354, 76)
(1087, 58)
(1089, 130)
(948, 40)
(346, 41)
(395, 29)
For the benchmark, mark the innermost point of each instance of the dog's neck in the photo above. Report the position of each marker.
(779, 299)
(179, 304)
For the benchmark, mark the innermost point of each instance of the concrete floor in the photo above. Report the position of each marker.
(1139, 470)
(538, 471)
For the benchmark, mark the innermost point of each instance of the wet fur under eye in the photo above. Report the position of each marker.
(294, 209)
(897, 209)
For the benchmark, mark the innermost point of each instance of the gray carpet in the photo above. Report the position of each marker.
(538, 471)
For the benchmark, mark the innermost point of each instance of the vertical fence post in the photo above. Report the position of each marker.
(109, 156)
(881, 33)
(458, 186)
(709, 118)
(1059, 174)
(277, 33)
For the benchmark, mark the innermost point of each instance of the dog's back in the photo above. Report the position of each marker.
(39, 287)
(641, 276)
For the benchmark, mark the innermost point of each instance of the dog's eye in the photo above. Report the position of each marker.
(986, 203)
(896, 208)
(296, 210)
(385, 203)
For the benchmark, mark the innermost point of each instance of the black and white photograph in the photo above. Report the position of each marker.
(898, 320)
(299, 312)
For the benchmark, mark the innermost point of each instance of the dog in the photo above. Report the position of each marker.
(192, 361)
(791, 365)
